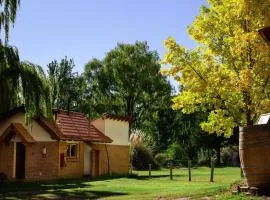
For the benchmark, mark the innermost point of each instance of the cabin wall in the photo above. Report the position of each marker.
(71, 168)
(117, 131)
(116, 155)
(35, 130)
(7, 159)
(39, 167)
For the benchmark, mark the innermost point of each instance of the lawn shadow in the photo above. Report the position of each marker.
(146, 177)
(58, 194)
(60, 189)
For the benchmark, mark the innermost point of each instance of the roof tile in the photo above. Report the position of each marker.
(75, 125)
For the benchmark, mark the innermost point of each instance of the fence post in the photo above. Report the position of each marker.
(149, 170)
(212, 170)
(171, 172)
(189, 170)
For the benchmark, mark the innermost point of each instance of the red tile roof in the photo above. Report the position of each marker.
(74, 125)
(68, 126)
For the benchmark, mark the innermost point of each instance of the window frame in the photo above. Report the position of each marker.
(69, 151)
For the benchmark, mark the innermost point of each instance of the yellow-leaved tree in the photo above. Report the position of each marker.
(228, 73)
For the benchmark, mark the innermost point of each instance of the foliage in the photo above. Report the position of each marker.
(228, 73)
(141, 153)
(177, 154)
(205, 156)
(67, 87)
(142, 157)
(176, 127)
(138, 137)
(126, 82)
(22, 83)
(207, 143)
(230, 156)
(162, 159)
(172, 126)
(7, 16)
(3, 178)
(35, 91)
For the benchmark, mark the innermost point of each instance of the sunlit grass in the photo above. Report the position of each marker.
(137, 187)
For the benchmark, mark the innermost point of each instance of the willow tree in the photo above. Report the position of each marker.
(20, 82)
(228, 73)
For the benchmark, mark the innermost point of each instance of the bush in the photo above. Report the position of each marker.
(142, 157)
(176, 153)
(205, 156)
(229, 156)
(162, 159)
(3, 178)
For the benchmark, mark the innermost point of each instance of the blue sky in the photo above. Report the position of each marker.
(51, 29)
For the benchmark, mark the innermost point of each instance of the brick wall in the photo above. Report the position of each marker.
(7, 159)
(73, 167)
(118, 159)
(38, 167)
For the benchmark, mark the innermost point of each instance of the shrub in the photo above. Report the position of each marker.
(229, 156)
(205, 156)
(162, 159)
(3, 178)
(142, 157)
(177, 154)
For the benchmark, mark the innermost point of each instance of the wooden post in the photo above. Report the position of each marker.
(171, 173)
(149, 170)
(212, 170)
(189, 170)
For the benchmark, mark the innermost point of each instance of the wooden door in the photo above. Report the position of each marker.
(97, 163)
(20, 160)
(87, 160)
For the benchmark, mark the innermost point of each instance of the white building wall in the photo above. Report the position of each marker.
(35, 130)
(117, 131)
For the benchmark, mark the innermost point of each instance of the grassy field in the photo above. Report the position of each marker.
(159, 186)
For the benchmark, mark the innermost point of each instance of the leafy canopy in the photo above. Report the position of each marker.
(66, 86)
(127, 81)
(228, 73)
(8, 15)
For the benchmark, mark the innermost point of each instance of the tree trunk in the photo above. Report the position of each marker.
(130, 111)
(209, 157)
(248, 102)
(218, 155)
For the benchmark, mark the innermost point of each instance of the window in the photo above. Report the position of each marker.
(73, 151)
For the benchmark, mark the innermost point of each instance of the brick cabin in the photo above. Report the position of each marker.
(68, 147)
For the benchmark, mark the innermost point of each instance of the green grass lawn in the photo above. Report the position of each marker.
(159, 186)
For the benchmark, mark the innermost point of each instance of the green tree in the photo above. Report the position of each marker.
(127, 81)
(7, 16)
(22, 83)
(67, 87)
(19, 82)
(228, 73)
(53, 73)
